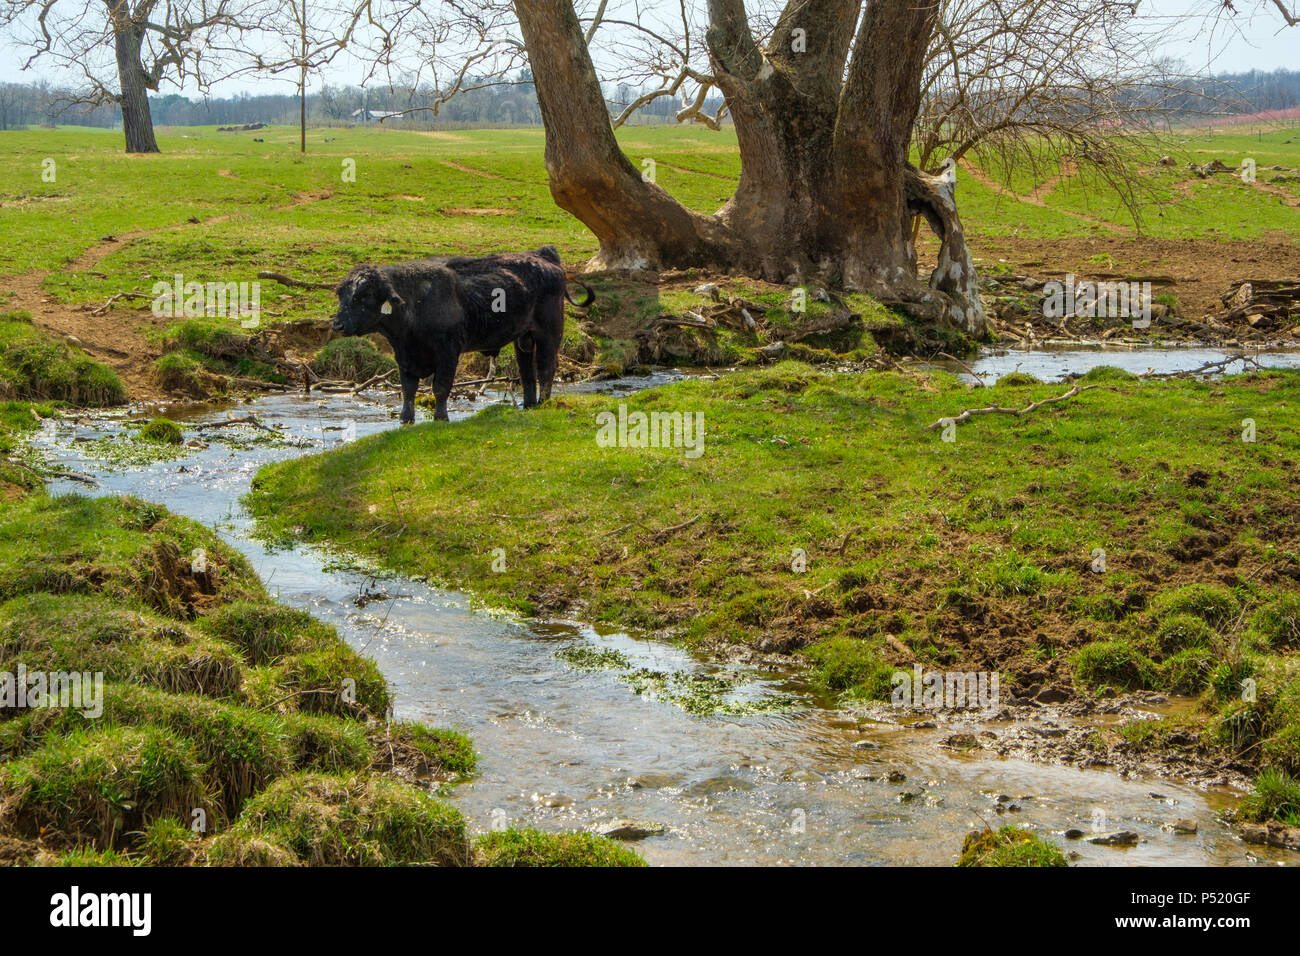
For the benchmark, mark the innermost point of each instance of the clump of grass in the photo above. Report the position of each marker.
(1213, 604)
(1182, 631)
(356, 821)
(1009, 846)
(96, 786)
(327, 744)
(1281, 751)
(167, 842)
(851, 665)
(1278, 622)
(84, 857)
(337, 680)
(447, 751)
(1188, 671)
(265, 632)
(161, 431)
(1276, 797)
(353, 359)
(1106, 373)
(532, 848)
(180, 372)
(35, 367)
(1017, 380)
(788, 376)
(1114, 663)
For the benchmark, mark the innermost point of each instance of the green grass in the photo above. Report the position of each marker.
(212, 695)
(1009, 846)
(533, 848)
(220, 207)
(1276, 797)
(974, 554)
(326, 820)
(798, 459)
(37, 368)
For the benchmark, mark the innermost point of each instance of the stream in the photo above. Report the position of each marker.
(564, 748)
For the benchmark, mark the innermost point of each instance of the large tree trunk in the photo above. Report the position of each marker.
(137, 121)
(638, 224)
(825, 189)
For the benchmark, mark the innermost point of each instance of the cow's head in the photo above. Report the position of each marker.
(366, 296)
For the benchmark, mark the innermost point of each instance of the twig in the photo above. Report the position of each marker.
(283, 279)
(114, 297)
(484, 381)
(1209, 368)
(665, 532)
(970, 371)
(70, 475)
(225, 422)
(374, 380)
(999, 410)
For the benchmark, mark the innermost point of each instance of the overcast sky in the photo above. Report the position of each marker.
(1254, 39)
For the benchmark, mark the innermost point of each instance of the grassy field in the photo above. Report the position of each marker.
(84, 251)
(975, 554)
(262, 205)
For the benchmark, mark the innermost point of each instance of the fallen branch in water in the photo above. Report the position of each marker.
(970, 371)
(485, 381)
(1210, 368)
(69, 475)
(227, 422)
(283, 279)
(258, 384)
(375, 380)
(999, 410)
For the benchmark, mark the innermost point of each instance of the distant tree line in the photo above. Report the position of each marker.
(513, 103)
(1239, 93)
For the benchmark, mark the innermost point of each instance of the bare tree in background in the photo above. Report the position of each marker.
(126, 48)
(1036, 84)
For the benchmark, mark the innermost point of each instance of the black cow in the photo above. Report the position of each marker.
(433, 310)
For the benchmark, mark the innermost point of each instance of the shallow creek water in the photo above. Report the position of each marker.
(564, 748)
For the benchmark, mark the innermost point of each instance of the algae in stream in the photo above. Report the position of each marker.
(702, 695)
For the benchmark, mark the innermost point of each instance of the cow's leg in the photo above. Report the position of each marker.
(525, 355)
(444, 376)
(410, 382)
(549, 341)
(546, 358)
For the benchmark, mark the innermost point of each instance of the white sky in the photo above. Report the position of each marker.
(1254, 39)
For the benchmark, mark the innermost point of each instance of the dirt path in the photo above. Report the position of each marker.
(1035, 197)
(116, 337)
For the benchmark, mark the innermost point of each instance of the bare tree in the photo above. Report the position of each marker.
(1070, 84)
(11, 100)
(150, 41)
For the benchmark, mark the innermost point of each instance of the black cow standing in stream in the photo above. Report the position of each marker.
(433, 310)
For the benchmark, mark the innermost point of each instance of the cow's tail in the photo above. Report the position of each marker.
(591, 294)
